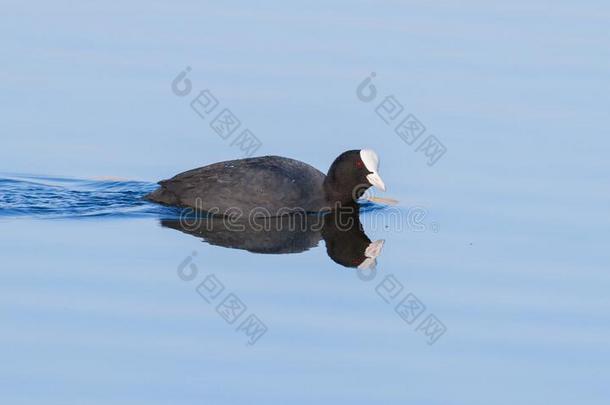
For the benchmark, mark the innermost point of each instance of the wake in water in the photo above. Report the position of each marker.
(56, 197)
(53, 197)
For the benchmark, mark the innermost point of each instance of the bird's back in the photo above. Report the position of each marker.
(271, 185)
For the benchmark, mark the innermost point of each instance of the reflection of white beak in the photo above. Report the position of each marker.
(372, 252)
(376, 181)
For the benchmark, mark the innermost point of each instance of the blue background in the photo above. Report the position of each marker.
(93, 312)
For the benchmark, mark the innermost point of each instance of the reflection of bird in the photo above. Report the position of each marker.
(272, 185)
(346, 242)
(287, 234)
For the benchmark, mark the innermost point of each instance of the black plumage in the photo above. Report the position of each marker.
(266, 186)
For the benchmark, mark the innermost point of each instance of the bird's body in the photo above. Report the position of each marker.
(268, 186)
(268, 183)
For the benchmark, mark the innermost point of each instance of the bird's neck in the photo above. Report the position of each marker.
(339, 194)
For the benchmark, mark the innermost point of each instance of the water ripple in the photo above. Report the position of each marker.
(52, 197)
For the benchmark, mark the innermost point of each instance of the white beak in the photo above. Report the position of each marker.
(371, 162)
(376, 181)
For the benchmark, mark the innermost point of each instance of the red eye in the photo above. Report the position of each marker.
(359, 164)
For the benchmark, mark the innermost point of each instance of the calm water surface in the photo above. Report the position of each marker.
(511, 256)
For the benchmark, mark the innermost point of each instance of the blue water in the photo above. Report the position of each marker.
(101, 303)
(53, 197)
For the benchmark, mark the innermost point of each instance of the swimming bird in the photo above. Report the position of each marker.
(272, 186)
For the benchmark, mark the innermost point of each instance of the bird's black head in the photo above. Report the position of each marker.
(351, 174)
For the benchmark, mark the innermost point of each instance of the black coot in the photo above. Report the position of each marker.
(272, 185)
